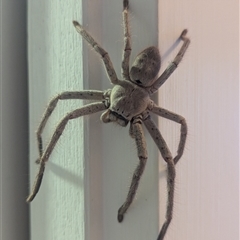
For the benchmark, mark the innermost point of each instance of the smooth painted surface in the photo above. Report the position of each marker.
(55, 65)
(14, 212)
(205, 90)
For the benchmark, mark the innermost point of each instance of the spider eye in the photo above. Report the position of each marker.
(138, 81)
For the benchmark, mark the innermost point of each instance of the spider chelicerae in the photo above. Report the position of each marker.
(127, 102)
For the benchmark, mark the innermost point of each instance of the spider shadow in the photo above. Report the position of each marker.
(170, 49)
(65, 174)
(162, 174)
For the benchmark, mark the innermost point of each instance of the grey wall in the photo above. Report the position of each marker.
(14, 121)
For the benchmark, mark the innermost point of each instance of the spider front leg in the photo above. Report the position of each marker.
(167, 156)
(137, 133)
(105, 57)
(85, 94)
(127, 42)
(87, 109)
(178, 119)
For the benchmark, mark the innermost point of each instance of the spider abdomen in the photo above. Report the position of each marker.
(128, 100)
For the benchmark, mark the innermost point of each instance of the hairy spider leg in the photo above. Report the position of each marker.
(173, 65)
(85, 94)
(85, 110)
(137, 133)
(167, 156)
(127, 42)
(178, 119)
(105, 56)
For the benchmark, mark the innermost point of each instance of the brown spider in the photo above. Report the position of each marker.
(128, 101)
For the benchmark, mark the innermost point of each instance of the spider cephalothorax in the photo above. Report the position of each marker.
(128, 101)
